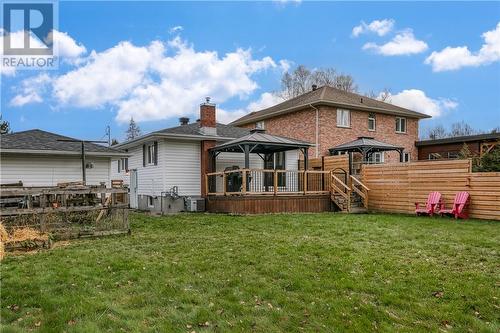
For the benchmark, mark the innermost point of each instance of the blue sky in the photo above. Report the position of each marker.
(123, 59)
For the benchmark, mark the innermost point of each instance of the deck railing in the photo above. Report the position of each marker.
(267, 182)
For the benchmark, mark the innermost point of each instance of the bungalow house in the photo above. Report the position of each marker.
(337, 121)
(40, 158)
(170, 164)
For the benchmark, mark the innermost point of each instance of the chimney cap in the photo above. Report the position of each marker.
(314, 87)
(184, 120)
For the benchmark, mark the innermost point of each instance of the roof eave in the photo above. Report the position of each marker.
(149, 136)
(325, 102)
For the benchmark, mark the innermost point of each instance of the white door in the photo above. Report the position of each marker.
(133, 188)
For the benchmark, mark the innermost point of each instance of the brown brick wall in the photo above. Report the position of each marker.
(207, 115)
(301, 125)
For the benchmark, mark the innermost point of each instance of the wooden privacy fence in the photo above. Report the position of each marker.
(327, 163)
(396, 187)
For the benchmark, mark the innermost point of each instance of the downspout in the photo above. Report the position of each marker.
(317, 130)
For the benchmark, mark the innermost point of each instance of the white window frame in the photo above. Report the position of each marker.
(260, 124)
(373, 159)
(150, 154)
(123, 164)
(434, 156)
(371, 116)
(399, 128)
(340, 118)
(406, 157)
(457, 155)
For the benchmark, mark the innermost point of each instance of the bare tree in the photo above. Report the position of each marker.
(133, 130)
(345, 82)
(300, 81)
(496, 130)
(438, 132)
(385, 95)
(461, 129)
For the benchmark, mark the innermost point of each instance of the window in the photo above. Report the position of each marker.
(371, 122)
(151, 154)
(123, 165)
(260, 124)
(400, 125)
(406, 157)
(434, 156)
(343, 118)
(275, 161)
(376, 158)
(452, 155)
(151, 202)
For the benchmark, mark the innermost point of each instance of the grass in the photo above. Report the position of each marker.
(274, 273)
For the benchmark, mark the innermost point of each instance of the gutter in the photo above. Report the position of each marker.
(62, 152)
(172, 136)
(317, 130)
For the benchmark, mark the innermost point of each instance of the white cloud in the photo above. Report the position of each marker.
(265, 100)
(417, 100)
(453, 58)
(157, 81)
(31, 90)
(107, 76)
(404, 43)
(176, 29)
(380, 27)
(67, 46)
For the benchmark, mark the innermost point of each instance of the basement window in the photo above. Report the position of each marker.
(151, 202)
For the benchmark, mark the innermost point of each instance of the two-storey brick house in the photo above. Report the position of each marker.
(329, 117)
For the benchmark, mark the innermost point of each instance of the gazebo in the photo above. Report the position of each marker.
(366, 146)
(260, 143)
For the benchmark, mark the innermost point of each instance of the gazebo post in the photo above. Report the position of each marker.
(246, 150)
(305, 151)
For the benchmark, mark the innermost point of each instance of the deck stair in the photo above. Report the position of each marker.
(349, 198)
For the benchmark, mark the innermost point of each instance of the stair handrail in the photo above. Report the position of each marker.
(341, 182)
(359, 183)
(363, 194)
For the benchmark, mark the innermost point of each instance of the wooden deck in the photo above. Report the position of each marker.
(262, 204)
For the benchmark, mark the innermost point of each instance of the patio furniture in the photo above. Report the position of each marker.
(432, 206)
(459, 205)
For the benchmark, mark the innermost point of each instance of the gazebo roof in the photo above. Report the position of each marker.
(364, 143)
(261, 143)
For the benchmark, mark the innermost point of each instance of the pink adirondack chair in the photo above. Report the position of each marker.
(459, 205)
(431, 207)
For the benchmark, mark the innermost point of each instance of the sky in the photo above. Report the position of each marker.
(157, 61)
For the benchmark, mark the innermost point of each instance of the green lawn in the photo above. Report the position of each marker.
(274, 273)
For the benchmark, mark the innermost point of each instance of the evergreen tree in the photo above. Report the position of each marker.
(133, 130)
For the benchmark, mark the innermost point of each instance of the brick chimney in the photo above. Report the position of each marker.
(208, 124)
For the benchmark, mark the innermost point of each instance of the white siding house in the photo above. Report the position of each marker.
(40, 158)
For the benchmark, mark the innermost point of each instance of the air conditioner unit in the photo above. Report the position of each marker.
(195, 204)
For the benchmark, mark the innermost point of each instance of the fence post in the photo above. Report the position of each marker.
(224, 183)
(275, 181)
(206, 184)
(244, 180)
(305, 182)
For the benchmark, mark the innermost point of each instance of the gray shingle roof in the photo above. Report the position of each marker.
(226, 131)
(41, 140)
(329, 95)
